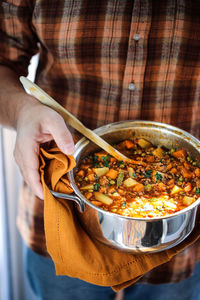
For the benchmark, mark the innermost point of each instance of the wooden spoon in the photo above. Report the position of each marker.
(45, 99)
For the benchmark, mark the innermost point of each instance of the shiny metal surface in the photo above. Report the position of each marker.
(70, 197)
(132, 234)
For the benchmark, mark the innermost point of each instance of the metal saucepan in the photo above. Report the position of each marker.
(136, 235)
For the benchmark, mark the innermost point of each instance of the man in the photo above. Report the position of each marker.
(104, 61)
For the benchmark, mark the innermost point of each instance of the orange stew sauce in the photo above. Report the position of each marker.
(159, 182)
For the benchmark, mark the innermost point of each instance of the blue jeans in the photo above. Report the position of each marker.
(47, 286)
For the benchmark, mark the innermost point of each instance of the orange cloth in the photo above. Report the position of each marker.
(73, 251)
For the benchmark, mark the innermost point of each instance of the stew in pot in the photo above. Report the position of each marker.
(157, 183)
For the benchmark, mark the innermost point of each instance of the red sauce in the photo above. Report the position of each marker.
(158, 181)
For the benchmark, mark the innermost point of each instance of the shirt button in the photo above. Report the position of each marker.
(136, 37)
(131, 86)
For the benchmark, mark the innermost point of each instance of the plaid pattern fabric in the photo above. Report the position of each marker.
(107, 61)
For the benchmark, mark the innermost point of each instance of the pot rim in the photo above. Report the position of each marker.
(126, 124)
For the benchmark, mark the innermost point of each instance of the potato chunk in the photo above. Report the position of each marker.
(87, 187)
(101, 171)
(176, 189)
(158, 152)
(103, 198)
(129, 182)
(144, 143)
(131, 172)
(188, 200)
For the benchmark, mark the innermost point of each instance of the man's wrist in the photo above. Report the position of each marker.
(24, 102)
(13, 98)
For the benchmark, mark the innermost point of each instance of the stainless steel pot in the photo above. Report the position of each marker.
(134, 234)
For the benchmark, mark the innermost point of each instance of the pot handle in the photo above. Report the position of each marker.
(70, 197)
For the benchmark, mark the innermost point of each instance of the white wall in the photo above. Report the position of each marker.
(12, 182)
(5, 282)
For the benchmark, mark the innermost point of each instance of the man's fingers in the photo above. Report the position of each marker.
(34, 182)
(29, 166)
(32, 178)
(61, 135)
(45, 124)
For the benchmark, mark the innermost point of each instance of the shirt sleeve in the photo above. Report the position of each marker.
(18, 41)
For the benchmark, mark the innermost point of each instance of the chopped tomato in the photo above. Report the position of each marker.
(155, 183)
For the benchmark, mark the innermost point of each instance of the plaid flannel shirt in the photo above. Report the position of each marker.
(107, 61)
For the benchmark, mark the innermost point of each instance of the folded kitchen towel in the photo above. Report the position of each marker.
(72, 249)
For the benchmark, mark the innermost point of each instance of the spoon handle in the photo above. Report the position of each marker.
(45, 99)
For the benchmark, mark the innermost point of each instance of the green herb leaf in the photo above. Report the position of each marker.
(120, 178)
(95, 161)
(106, 160)
(108, 156)
(134, 175)
(120, 162)
(158, 177)
(123, 204)
(148, 173)
(158, 208)
(96, 186)
(197, 191)
(153, 200)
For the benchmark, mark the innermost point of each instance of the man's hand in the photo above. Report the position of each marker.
(37, 124)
